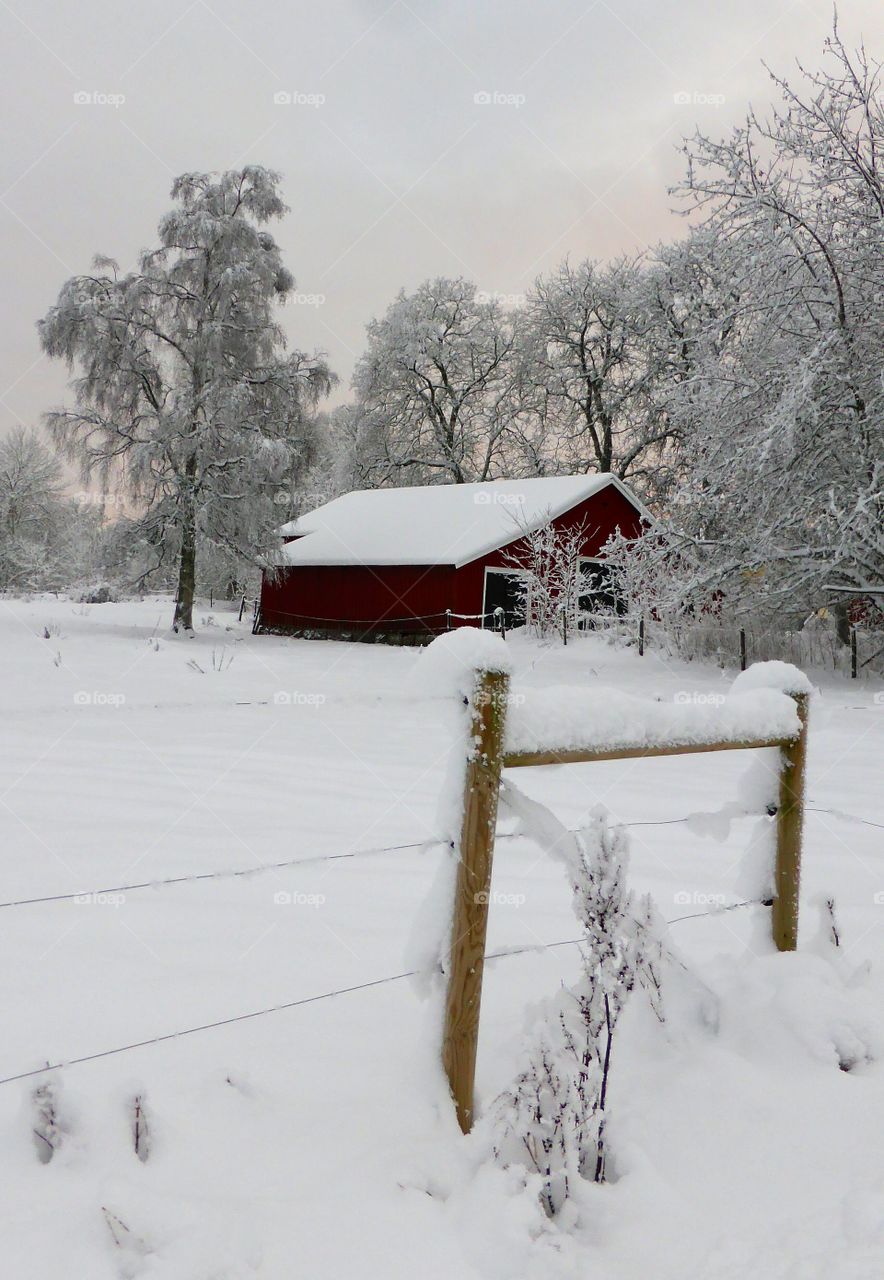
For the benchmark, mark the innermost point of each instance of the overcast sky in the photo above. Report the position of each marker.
(393, 169)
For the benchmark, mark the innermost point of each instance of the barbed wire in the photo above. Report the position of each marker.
(165, 1038)
(245, 872)
(845, 817)
(219, 875)
(205, 1026)
(260, 1013)
(429, 843)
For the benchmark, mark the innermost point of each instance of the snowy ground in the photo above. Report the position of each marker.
(317, 1141)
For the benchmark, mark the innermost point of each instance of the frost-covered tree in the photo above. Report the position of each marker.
(30, 484)
(432, 388)
(553, 1119)
(46, 539)
(184, 390)
(588, 374)
(547, 562)
(783, 402)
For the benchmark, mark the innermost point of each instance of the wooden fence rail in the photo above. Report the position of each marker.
(486, 758)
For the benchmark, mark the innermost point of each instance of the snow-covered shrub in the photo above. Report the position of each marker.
(553, 1117)
(99, 593)
(550, 582)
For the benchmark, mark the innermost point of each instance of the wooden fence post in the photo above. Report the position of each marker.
(742, 648)
(641, 637)
(470, 919)
(853, 653)
(790, 817)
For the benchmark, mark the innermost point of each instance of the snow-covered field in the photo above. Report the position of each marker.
(317, 1140)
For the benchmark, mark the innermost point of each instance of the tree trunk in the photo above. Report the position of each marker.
(187, 561)
(842, 621)
(186, 576)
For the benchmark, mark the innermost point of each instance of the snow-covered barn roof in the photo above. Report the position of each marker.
(434, 524)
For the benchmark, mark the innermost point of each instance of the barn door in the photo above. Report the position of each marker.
(503, 590)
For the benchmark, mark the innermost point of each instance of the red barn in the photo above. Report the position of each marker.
(409, 563)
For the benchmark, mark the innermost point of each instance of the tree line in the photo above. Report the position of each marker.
(733, 377)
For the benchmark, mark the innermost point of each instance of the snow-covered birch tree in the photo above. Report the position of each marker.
(184, 391)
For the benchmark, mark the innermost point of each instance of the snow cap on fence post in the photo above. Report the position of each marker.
(781, 676)
(448, 666)
(785, 678)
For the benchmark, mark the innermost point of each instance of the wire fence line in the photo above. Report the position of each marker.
(505, 954)
(740, 644)
(736, 644)
(430, 843)
(260, 1013)
(237, 872)
(431, 623)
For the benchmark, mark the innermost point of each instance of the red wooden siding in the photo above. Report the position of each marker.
(414, 598)
(384, 597)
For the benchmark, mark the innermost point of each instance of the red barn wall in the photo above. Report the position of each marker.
(413, 598)
(306, 597)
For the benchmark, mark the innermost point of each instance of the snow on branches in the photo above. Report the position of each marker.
(185, 391)
(552, 1120)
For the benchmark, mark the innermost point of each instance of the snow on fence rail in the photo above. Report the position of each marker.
(768, 708)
